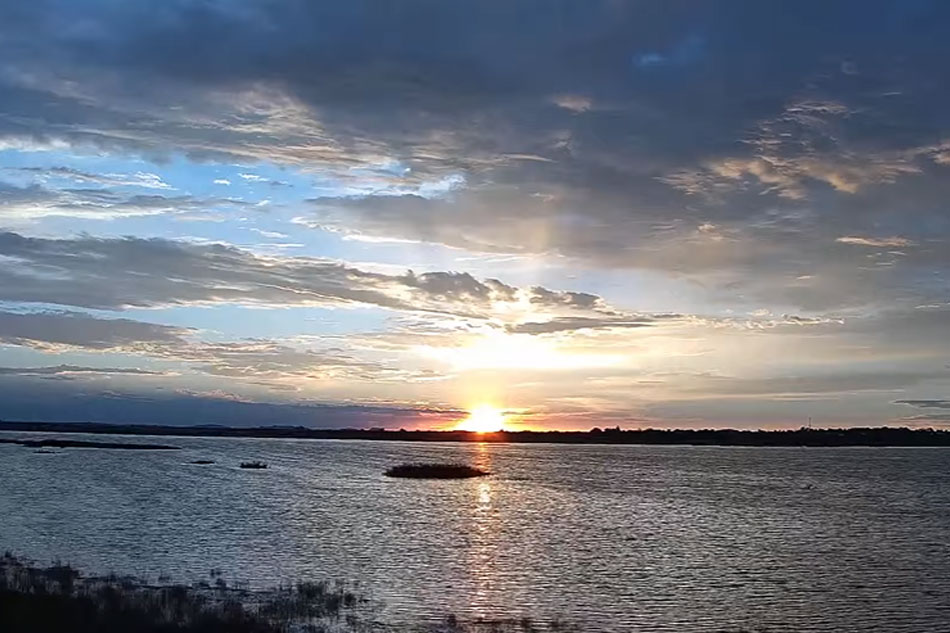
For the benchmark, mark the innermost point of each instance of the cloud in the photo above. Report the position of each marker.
(646, 60)
(931, 418)
(926, 404)
(686, 51)
(131, 272)
(273, 363)
(707, 146)
(817, 384)
(270, 234)
(575, 103)
(358, 98)
(36, 202)
(56, 331)
(781, 127)
(770, 255)
(260, 179)
(141, 179)
(803, 145)
(25, 399)
(70, 371)
(622, 357)
(256, 361)
(883, 242)
(569, 324)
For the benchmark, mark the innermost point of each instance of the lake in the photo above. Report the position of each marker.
(613, 538)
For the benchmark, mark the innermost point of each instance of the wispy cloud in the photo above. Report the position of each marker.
(882, 242)
(141, 179)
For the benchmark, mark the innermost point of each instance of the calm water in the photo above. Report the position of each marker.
(617, 538)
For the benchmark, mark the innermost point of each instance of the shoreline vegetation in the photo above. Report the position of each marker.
(857, 436)
(58, 598)
(36, 599)
(58, 443)
(435, 471)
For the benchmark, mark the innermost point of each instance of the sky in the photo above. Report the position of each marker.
(374, 214)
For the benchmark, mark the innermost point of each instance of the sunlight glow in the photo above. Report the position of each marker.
(483, 419)
(513, 351)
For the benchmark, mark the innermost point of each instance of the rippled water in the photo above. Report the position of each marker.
(616, 538)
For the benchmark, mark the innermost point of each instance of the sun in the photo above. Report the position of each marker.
(483, 419)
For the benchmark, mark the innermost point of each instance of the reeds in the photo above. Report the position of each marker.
(58, 598)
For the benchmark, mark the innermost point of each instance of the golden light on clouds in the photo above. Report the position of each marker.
(499, 350)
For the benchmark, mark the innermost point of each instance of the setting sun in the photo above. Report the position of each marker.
(483, 419)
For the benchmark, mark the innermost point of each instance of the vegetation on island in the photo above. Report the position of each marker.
(435, 471)
(60, 443)
(255, 465)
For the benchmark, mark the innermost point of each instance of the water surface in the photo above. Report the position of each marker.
(616, 538)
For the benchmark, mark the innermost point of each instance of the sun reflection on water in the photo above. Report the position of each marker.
(484, 537)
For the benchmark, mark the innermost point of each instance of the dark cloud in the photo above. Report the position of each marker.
(51, 330)
(255, 361)
(568, 324)
(926, 404)
(602, 131)
(119, 273)
(679, 81)
(929, 418)
(70, 371)
(33, 399)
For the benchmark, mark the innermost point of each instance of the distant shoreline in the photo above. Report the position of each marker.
(54, 443)
(860, 436)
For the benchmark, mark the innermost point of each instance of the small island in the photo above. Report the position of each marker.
(58, 443)
(255, 465)
(435, 471)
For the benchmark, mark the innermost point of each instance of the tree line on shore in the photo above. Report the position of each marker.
(855, 436)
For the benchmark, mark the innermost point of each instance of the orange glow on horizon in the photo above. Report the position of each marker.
(484, 418)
